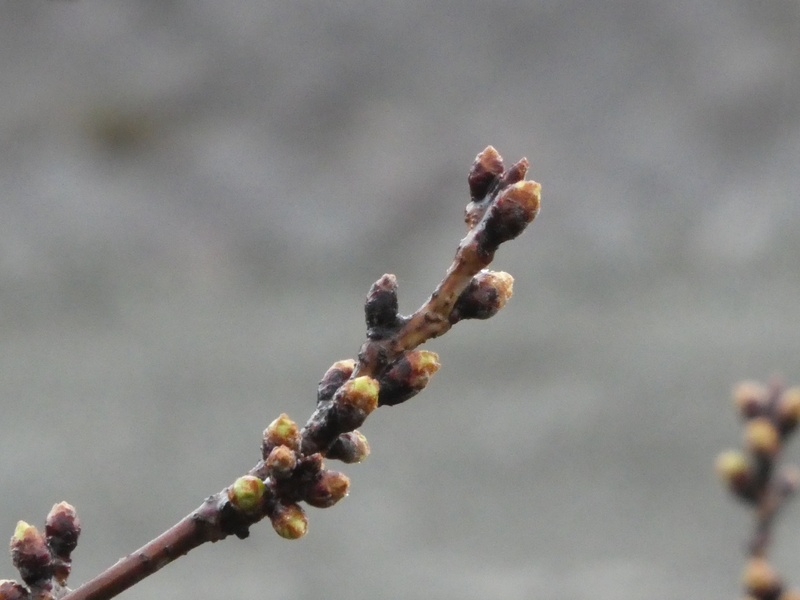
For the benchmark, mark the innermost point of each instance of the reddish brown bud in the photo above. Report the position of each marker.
(281, 432)
(760, 579)
(734, 470)
(30, 554)
(289, 521)
(334, 377)
(381, 308)
(11, 590)
(407, 376)
(761, 437)
(484, 173)
(509, 214)
(281, 462)
(246, 493)
(788, 409)
(327, 489)
(486, 294)
(514, 174)
(62, 529)
(750, 398)
(350, 447)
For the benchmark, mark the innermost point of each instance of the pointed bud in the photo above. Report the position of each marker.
(509, 215)
(408, 376)
(760, 579)
(486, 294)
(734, 470)
(483, 179)
(246, 493)
(351, 447)
(381, 308)
(11, 590)
(761, 437)
(281, 462)
(514, 174)
(750, 398)
(334, 377)
(30, 554)
(281, 432)
(327, 489)
(788, 409)
(289, 521)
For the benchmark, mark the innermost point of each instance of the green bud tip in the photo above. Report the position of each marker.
(290, 522)
(362, 392)
(23, 530)
(246, 492)
(283, 431)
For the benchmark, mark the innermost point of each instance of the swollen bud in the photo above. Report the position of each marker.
(246, 493)
(289, 521)
(351, 447)
(761, 437)
(750, 398)
(509, 214)
(30, 554)
(359, 395)
(486, 294)
(62, 528)
(11, 590)
(334, 377)
(381, 308)
(281, 432)
(281, 462)
(734, 470)
(327, 489)
(483, 177)
(407, 376)
(788, 409)
(760, 579)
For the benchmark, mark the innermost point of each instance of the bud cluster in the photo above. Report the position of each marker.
(756, 475)
(43, 559)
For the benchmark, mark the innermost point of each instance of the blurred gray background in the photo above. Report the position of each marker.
(196, 197)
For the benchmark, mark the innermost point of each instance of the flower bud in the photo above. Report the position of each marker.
(289, 521)
(750, 398)
(62, 529)
(351, 447)
(485, 170)
(11, 590)
(761, 437)
(381, 308)
(509, 215)
(407, 376)
(246, 493)
(760, 579)
(327, 489)
(734, 470)
(334, 377)
(281, 432)
(788, 409)
(281, 462)
(483, 178)
(514, 174)
(359, 395)
(486, 294)
(30, 554)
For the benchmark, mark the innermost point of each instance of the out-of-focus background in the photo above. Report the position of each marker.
(195, 197)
